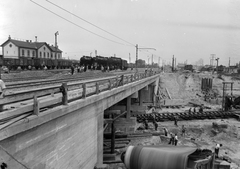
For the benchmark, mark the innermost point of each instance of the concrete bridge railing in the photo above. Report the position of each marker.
(19, 105)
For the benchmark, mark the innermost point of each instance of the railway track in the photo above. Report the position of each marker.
(161, 117)
(31, 75)
(41, 82)
(25, 85)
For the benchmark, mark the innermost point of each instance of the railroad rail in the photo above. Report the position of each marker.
(161, 117)
(36, 83)
(6, 77)
(21, 104)
(11, 87)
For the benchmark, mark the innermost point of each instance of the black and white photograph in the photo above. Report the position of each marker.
(119, 84)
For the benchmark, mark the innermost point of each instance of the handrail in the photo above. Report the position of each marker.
(34, 100)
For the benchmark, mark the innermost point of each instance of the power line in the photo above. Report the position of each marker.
(75, 23)
(88, 22)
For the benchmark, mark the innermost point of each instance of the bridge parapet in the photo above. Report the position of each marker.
(19, 105)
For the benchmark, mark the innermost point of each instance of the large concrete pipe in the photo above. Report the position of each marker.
(157, 157)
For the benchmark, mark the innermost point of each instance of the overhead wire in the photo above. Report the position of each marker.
(75, 23)
(89, 22)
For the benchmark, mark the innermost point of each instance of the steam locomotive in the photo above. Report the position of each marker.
(99, 62)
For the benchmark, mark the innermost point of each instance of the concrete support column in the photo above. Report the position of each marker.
(100, 138)
(140, 94)
(155, 88)
(128, 107)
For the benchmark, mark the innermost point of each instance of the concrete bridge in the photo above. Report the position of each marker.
(64, 129)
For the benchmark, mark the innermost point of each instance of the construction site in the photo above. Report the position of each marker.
(205, 103)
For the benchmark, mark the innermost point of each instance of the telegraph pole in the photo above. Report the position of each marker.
(152, 60)
(173, 63)
(129, 58)
(136, 56)
(137, 53)
(217, 64)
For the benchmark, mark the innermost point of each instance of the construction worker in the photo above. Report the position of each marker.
(190, 110)
(183, 130)
(175, 121)
(155, 124)
(165, 131)
(146, 124)
(72, 69)
(175, 139)
(171, 141)
(217, 149)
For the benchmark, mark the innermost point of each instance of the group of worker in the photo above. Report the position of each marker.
(85, 68)
(154, 123)
(194, 110)
(173, 137)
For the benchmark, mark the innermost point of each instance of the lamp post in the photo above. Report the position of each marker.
(137, 48)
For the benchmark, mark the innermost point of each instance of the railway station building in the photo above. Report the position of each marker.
(15, 48)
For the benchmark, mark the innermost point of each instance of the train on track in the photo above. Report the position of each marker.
(100, 63)
(37, 63)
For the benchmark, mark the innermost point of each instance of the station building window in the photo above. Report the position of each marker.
(22, 52)
(33, 53)
(44, 54)
(28, 53)
(40, 54)
(48, 54)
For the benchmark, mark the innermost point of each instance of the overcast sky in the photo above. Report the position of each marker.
(188, 29)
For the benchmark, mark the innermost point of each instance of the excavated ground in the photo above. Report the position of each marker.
(184, 88)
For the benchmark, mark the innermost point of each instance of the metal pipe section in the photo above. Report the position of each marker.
(157, 157)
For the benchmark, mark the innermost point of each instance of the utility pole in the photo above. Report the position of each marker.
(159, 61)
(129, 58)
(136, 56)
(137, 53)
(173, 63)
(152, 60)
(217, 64)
